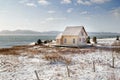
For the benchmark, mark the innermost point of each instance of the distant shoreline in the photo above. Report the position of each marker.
(27, 35)
(103, 40)
(13, 40)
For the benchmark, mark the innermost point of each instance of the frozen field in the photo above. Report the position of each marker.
(85, 64)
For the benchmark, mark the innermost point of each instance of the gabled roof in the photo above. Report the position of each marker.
(73, 30)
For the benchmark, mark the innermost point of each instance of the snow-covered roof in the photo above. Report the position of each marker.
(73, 30)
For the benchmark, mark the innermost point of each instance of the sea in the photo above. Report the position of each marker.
(7, 41)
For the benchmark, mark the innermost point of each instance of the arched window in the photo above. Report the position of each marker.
(73, 41)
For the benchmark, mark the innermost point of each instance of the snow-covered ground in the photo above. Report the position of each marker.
(106, 41)
(23, 66)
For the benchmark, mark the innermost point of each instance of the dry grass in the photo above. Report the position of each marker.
(8, 63)
(116, 43)
(76, 50)
(117, 50)
(14, 50)
(56, 57)
(31, 51)
(8, 51)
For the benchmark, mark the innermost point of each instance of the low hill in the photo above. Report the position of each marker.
(30, 32)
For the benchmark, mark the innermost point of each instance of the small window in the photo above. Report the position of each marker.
(73, 41)
(65, 40)
(83, 40)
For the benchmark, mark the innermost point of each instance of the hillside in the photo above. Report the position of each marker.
(30, 32)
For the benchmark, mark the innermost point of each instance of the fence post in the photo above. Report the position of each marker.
(68, 71)
(113, 64)
(36, 75)
(93, 66)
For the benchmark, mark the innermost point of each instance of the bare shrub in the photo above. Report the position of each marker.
(88, 40)
(53, 57)
(56, 57)
(94, 39)
(117, 50)
(68, 60)
(76, 50)
(117, 37)
(32, 51)
(8, 63)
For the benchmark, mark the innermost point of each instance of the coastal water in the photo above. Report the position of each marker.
(7, 41)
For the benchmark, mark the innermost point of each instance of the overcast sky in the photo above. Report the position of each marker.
(47, 15)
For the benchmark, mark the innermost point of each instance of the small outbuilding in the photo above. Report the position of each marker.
(72, 36)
